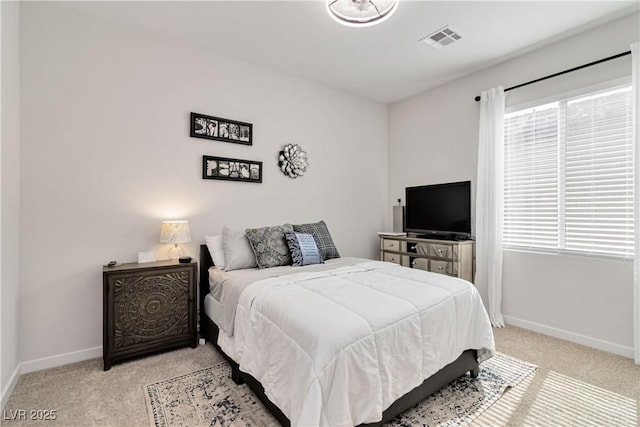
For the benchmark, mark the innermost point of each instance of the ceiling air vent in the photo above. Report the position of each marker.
(443, 37)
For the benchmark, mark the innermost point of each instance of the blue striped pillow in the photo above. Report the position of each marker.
(303, 249)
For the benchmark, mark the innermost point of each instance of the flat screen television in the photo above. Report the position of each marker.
(439, 211)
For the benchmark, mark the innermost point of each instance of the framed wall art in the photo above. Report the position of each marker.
(231, 169)
(219, 129)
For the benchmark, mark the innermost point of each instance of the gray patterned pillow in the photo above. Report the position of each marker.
(269, 245)
(320, 232)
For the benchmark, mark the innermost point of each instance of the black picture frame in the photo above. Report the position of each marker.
(219, 129)
(228, 169)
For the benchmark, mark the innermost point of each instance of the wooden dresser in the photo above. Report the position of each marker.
(451, 257)
(148, 308)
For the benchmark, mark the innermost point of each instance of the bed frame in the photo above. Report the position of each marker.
(467, 362)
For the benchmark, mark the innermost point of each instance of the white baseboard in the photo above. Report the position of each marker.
(61, 359)
(10, 386)
(571, 337)
(46, 363)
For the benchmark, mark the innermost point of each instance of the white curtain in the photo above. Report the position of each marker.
(490, 200)
(635, 55)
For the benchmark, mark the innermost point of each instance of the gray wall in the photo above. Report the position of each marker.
(433, 138)
(106, 156)
(10, 199)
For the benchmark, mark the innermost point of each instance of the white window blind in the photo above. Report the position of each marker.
(569, 175)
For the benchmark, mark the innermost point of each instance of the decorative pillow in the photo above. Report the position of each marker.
(269, 245)
(214, 244)
(237, 250)
(320, 232)
(303, 249)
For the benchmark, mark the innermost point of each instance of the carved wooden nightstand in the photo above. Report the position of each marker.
(148, 308)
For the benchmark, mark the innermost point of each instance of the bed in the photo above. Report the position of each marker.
(264, 344)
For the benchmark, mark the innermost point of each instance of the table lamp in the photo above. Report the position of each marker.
(175, 232)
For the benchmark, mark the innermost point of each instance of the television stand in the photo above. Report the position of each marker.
(436, 254)
(450, 237)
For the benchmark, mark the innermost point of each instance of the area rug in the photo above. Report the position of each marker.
(209, 397)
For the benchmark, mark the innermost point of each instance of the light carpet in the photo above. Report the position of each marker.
(209, 397)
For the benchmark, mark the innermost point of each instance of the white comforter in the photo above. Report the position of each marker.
(337, 347)
(226, 286)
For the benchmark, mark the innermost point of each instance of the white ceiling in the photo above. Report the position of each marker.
(383, 63)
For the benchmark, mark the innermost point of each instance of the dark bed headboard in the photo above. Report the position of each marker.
(206, 262)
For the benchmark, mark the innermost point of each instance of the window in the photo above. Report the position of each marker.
(568, 180)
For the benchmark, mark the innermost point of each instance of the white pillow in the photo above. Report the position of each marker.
(214, 244)
(237, 250)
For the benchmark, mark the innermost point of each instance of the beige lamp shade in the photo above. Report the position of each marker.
(175, 232)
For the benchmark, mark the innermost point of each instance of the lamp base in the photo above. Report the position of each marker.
(175, 252)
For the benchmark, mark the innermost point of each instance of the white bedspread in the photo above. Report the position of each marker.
(337, 347)
(226, 286)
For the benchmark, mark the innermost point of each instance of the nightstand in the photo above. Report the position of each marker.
(148, 308)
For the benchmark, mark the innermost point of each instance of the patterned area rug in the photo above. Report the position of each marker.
(210, 398)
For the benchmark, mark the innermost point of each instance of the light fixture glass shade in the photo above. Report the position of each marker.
(175, 232)
(361, 13)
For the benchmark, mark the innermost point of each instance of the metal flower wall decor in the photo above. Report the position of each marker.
(293, 161)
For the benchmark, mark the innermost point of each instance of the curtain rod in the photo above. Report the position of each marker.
(477, 98)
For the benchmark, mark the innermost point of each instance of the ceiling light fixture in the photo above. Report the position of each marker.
(361, 13)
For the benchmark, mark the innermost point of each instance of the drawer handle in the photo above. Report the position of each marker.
(440, 267)
(393, 259)
(440, 251)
